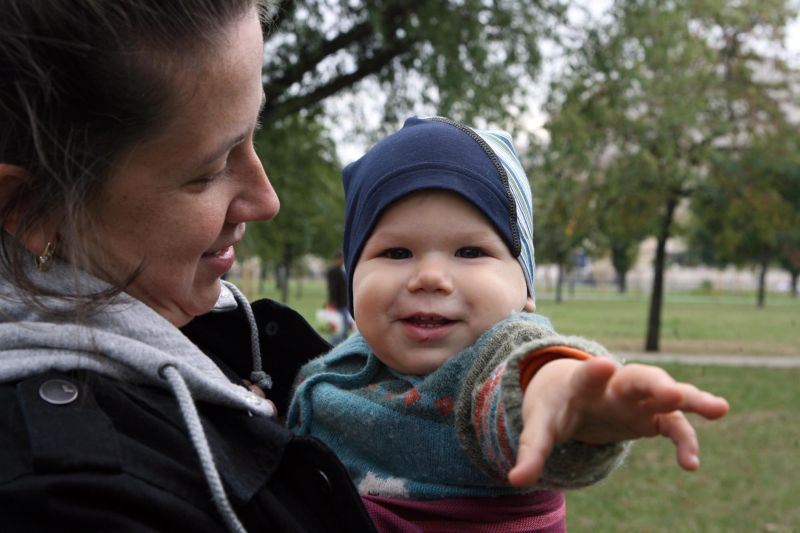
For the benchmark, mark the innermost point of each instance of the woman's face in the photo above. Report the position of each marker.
(179, 202)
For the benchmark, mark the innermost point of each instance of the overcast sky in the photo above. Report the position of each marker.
(350, 149)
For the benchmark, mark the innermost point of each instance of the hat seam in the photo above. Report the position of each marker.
(498, 165)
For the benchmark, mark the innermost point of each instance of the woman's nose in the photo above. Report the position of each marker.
(256, 198)
(431, 275)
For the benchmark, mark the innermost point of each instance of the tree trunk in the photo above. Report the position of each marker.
(285, 262)
(621, 265)
(793, 286)
(762, 283)
(559, 282)
(659, 265)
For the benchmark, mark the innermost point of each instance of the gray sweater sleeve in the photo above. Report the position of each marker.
(489, 409)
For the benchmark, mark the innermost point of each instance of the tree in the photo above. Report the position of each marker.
(789, 169)
(624, 216)
(461, 57)
(748, 212)
(744, 215)
(562, 181)
(670, 83)
(303, 168)
(789, 259)
(562, 218)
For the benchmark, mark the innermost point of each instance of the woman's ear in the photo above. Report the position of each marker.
(35, 239)
(12, 178)
(530, 305)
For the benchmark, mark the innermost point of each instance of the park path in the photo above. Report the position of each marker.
(763, 361)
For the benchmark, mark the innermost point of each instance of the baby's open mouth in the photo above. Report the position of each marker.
(428, 321)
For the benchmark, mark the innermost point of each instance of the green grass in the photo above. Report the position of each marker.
(688, 325)
(750, 474)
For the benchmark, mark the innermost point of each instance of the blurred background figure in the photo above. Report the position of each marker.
(337, 298)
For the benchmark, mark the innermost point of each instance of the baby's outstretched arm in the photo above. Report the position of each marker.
(597, 402)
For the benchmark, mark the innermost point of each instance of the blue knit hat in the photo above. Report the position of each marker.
(437, 153)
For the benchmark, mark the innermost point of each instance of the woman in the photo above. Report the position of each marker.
(127, 175)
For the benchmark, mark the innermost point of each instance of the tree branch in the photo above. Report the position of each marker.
(364, 35)
(311, 58)
(371, 65)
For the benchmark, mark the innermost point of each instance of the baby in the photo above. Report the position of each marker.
(454, 406)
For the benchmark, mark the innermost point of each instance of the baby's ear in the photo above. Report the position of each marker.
(530, 305)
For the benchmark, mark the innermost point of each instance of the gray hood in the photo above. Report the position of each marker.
(130, 342)
(127, 341)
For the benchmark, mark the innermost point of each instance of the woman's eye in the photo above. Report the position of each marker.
(397, 253)
(469, 252)
(205, 181)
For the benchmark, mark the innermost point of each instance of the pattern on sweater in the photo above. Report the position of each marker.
(405, 436)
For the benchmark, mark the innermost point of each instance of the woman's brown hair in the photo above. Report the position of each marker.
(81, 82)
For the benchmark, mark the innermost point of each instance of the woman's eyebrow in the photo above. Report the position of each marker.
(222, 150)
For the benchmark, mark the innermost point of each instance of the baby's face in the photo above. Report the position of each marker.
(433, 276)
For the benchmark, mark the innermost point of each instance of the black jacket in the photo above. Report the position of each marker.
(118, 458)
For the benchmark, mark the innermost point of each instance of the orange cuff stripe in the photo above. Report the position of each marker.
(538, 358)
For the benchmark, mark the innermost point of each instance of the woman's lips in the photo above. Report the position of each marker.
(220, 261)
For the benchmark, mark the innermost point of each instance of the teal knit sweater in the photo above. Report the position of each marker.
(452, 433)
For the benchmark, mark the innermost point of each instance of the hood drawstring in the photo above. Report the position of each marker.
(198, 437)
(194, 424)
(257, 375)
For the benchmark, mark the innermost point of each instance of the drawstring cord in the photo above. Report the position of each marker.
(198, 436)
(257, 376)
(195, 426)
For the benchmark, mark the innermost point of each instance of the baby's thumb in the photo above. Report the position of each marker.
(531, 456)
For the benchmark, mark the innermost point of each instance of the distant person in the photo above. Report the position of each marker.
(479, 413)
(337, 297)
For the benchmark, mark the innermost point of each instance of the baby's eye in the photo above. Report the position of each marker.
(470, 252)
(397, 253)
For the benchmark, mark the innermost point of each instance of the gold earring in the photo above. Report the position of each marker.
(43, 261)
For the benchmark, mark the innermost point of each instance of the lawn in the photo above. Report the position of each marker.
(750, 474)
(690, 323)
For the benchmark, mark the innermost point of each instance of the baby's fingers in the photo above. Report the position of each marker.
(687, 398)
(655, 390)
(644, 383)
(705, 404)
(592, 377)
(535, 444)
(530, 462)
(676, 427)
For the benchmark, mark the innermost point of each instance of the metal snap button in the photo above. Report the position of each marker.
(325, 481)
(58, 391)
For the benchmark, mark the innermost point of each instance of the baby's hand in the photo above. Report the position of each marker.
(596, 402)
